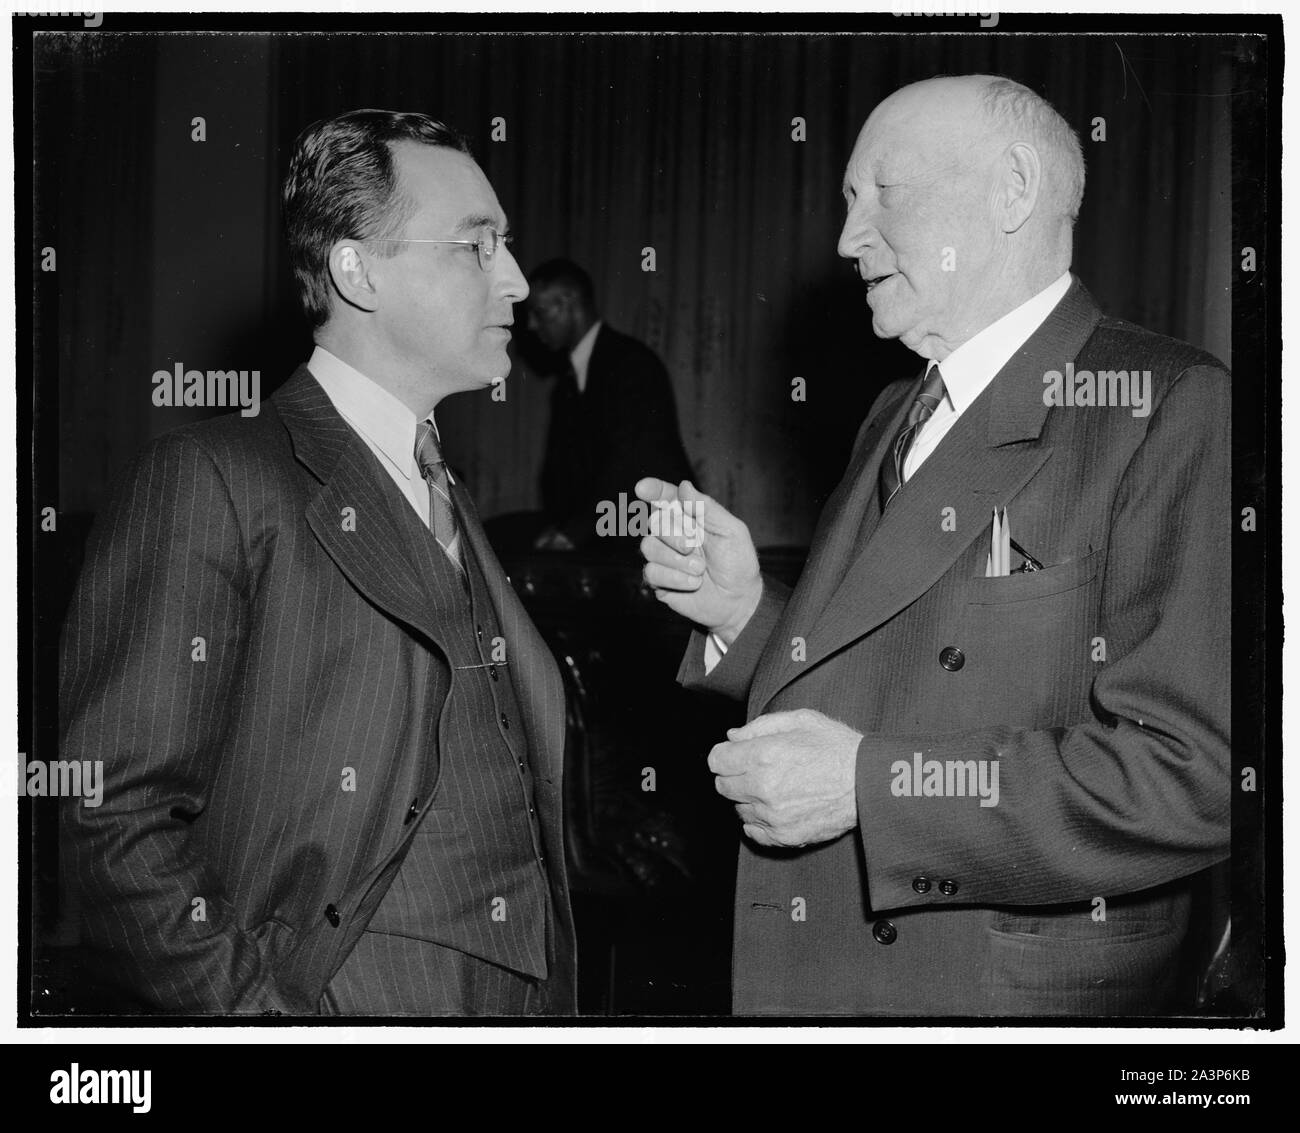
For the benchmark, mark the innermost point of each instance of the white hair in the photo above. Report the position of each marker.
(1015, 109)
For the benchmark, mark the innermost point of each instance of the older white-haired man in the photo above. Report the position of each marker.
(988, 739)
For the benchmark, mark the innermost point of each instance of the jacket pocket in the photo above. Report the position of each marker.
(1138, 916)
(1034, 584)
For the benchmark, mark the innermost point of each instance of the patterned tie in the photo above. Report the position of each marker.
(442, 512)
(891, 468)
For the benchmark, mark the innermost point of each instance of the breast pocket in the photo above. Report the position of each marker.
(1034, 584)
(1029, 645)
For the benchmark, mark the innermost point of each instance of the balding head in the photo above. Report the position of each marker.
(962, 193)
(1016, 114)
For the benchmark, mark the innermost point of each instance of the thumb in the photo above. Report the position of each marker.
(707, 513)
(651, 488)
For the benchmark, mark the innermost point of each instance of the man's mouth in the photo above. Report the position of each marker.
(875, 280)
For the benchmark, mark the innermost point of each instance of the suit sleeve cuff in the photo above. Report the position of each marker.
(909, 863)
(733, 674)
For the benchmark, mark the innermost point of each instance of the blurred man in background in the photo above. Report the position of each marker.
(613, 416)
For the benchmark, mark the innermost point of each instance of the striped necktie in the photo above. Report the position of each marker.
(442, 512)
(891, 468)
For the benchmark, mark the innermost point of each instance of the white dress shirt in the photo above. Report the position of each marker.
(580, 355)
(967, 371)
(384, 423)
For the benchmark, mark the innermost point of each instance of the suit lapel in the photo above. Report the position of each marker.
(365, 543)
(983, 462)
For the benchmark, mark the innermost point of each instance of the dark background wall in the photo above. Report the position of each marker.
(170, 249)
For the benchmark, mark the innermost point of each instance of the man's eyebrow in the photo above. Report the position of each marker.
(471, 223)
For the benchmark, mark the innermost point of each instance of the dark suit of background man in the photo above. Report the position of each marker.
(346, 798)
(613, 417)
(1098, 685)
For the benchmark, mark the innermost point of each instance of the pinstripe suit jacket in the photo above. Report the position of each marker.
(1099, 686)
(248, 639)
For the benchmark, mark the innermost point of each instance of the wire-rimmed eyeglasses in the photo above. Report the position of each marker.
(488, 242)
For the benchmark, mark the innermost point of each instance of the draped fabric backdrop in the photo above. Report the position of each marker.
(171, 248)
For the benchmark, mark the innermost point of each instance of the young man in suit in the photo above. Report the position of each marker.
(332, 737)
(980, 775)
(613, 416)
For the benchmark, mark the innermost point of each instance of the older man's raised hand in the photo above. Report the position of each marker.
(706, 569)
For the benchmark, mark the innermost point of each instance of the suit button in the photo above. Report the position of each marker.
(521, 765)
(952, 658)
(884, 932)
(492, 672)
(415, 809)
(479, 630)
(505, 721)
(332, 915)
(948, 888)
(921, 884)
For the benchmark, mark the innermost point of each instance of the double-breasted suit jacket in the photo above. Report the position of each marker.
(1096, 689)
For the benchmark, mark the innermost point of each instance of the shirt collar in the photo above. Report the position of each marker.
(976, 362)
(580, 355)
(370, 409)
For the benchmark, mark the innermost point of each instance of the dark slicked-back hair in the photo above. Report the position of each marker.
(568, 274)
(341, 185)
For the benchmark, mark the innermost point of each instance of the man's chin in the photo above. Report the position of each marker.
(885, 327)
(909, 334)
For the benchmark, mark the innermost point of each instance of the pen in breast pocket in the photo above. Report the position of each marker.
(998, 564)
(999, 550)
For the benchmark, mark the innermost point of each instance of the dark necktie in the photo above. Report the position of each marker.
(891, 468)
(442, 512)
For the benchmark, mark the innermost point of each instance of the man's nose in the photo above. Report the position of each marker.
(857, 234)
(510, 279)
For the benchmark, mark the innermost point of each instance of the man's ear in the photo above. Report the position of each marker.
(1022, 180)
(350, 271)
